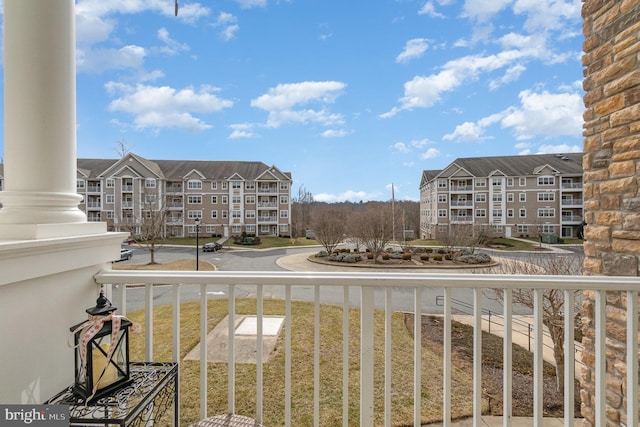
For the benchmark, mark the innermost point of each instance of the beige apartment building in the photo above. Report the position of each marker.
(229, 197)
(517, 196)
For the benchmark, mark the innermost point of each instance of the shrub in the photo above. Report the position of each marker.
(369, 255)
(478, 258)
(448, 257)
(441, 251)
(437, 257)
(322, 254)
(406, 256)
(428, 250)
(256, 240)
(424, 257)
(385, 256)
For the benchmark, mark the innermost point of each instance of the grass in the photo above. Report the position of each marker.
(302, 367)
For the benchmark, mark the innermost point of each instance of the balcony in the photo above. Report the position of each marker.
(93, 189)
(572, 202)
(267, 219)
(461, 188)
(461, 203)
(572, 185)
(375, 297)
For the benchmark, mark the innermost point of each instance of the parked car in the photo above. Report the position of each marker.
(125, 254)
(211, 247)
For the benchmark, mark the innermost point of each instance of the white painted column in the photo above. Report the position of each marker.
(40, 120)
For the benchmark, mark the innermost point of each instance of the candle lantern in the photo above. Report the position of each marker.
(101, 351)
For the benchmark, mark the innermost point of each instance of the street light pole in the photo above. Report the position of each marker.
(197, 242)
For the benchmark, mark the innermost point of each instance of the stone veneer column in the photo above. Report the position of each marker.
(40, 118)
(611, 176)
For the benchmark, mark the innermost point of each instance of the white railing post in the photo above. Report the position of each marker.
(569, 357)
(345, 356)
(477, 357)
(148, 322)
(538, 312)
(316, 356)
(366, 356)
(600, 347)
(632, 359)
(447, 369)
(203, 352)
(417, 357)
(231, 354)
(388, 325)
(259, 351)
(507, 371)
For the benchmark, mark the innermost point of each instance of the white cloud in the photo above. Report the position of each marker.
(228, 25)
(429, 9)
(334, 133)
(545, 114)
(171, 46)
(430, 153)
(413, 49)
(401, 147)
(242, 130)
(347, 196)
(99, 60)
(483, 10)
(467, 131)
(512, 74)
(284, 101)
(158, 107)
(558, 149)
(419, 143)
(548, 14)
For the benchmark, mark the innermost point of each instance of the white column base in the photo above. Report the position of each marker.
(36, 207)
(49, 231)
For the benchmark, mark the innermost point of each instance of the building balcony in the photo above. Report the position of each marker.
(94, 205)
(175, 205)
(175, 221)
(273, 205)
(571, 219)
(267, 219)
(462, 188)
(572, 185)
(571, 202)
(172, 189)
(267, 190)
(94, 189)
(467, 203)
(374, 299)
(461, 220)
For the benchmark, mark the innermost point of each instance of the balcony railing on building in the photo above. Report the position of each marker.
(376, 297)
(571, 202)
(571, 185)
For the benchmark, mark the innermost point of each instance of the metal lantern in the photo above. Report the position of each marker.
(101, 351)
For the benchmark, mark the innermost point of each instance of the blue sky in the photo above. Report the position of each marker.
(349, 96)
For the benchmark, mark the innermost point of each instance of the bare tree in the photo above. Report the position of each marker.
(148, 227)
(373, 226)
(552, 299)
(329, 228)
(462, 236)
(301, 212)
(122, 148)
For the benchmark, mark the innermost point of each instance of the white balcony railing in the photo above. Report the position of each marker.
(388, 292)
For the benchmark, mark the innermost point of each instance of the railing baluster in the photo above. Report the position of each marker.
(632, 359)
(417, 357)
(477, 357)
(569, 357)
(176, 354)
(148, 322)
(366, 356)
(231, 345)
(600, 348)
(537, 358)
(316, 356)
(388, 317)
(345, 356)
(203, 352)
(287, 356)
(507, 385)
(259, 351)
(448, 369)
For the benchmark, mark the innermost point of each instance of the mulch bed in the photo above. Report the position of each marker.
(462, 347)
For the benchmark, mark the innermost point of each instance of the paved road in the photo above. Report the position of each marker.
(283, 259)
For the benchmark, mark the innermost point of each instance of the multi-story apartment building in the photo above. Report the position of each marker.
(515, 195)
(229, 197)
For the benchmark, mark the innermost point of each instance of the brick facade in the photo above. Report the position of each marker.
(611, 180)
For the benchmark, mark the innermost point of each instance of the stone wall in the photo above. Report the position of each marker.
(612, 180)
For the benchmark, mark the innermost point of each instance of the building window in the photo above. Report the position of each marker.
(214, 185)
(194, 200)
(236, 214)
(509, 213)
(225, 185)
(150, 183)
(194, 214)
(496, 197)
(523, 213)
(236, 200)
(442, 198)
(481, 213)
(546, 180)
(284, 228)
(481, 198)
(522, 182)
(110, 215)
(442, 183)
(225, 214)
(264, 229)
(236, 229)
(251, 228)
(523, 197)
(110, 182)
(548, 229)
(250, 185)
(110, 198)
(250, 214)
(509, 197)
(236, 185)
(214, 200)
(498, 229)
(442, 228)
(214, 214)
(481, 182)
(80, 184)
(497, 213)
(509, 182)
(442, 213)
(284, 186)
(546, 197)
(149, 198)
(284, 200)
(546, 213)
(284, 214)
(250, 200)
(496, 182)
(523, 229)
(194, 184)
(225, 200)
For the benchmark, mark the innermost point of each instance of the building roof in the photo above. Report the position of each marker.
(179, 169)
(564, 164)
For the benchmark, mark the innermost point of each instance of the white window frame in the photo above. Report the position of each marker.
(250, 185)
(510, 197)
(194, 200)
(225, 200)
(284, 200)
(109, 199)
(194, 184)
(214, 200)
(522, 197)
(509, 182)
(481, 198)
(214, 185)
(214, 214)
(150, 183)
(481, 182)
(250, 200)
(546, 212)
(225, 214)
(193, 214)
(481, 213)
(546, 196)
(546, 180)
(522, 212)
(249, 213)
(522, 181)
(284, 186)
(225, 185)
(284, 214)
(110, 183)
(442, 183)
(442, 198)
(442, 213)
